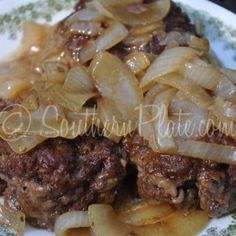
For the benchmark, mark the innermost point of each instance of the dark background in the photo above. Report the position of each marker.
(229, 4)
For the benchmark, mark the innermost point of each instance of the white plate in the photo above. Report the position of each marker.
(217, 24)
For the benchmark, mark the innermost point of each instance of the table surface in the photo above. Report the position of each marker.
(229, 4)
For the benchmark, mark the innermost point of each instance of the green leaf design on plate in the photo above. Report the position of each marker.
(11, 23)
(229, 231)
(216, 29)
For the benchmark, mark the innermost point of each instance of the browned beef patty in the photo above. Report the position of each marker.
(61, 175)
(184, 181)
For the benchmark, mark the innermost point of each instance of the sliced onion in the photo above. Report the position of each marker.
(78, 123)
(186, 38)
(25, 143)
(46, 121)
(223, 123)
(115, 121)
(137, 62)
(199, 43)
(73, 101)
(35, 38)
(135, 13)
(144, 214)
(190, 90)
(31, 101)
(230, 74)
(134, 211)
(10, 89)
(151, 94)
(147, 29)
(16, 69)
(204, 75)
(104, 222)
(188, 120)
(54, 72)
(171, 60)
(180, 38)
(87, 14)
(137, 41)
(78, 79)
(71, 220)
(227, 108)
(146, 129)
(111, 36)
(162, 127)
(207, 151)
(14, 220)
(225, 88)
(115, 81)
(86, 28)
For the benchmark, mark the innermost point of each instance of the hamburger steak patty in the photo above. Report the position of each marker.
(183, 181)
(62, 175)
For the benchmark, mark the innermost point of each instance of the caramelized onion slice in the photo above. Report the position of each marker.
(227, 108)
(115, 120)
(86, 28)
(162, 127)
(146, 128)
(199, 43)
(144, 214)
(135, 13)
(207, 151)
(225, 88)
(104, 222)
(54, 72)
(171, 60)
(115, 81)
(88, 14)
(78, 79)
(25, 143)
(72, 101)
(14, 220)
(223, 123)
(152, 93)
(189, 121)
(11, 88)
(230, 74)
(70, 220)
(204, 75)
(120, 92)
(137, 62)
(186, 38)
(35, 38)
(147, 29)
(111, 36)
(134, 211)
(190, 90)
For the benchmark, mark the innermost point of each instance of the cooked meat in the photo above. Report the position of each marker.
(163, 177)
(3, 105)
(176, 20)
(217, 183)
(184, 181)
(62, 175)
